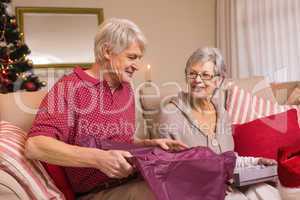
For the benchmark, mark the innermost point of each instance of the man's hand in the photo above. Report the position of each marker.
(166, 144)
(113, 163)
(266, 161)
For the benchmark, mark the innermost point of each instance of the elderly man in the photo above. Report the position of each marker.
(89, 106)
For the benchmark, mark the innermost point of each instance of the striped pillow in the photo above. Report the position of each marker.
(30, 174)
(243, 107)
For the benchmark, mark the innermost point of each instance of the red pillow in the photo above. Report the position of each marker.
(263, 137)
(60, 179)
(289, 167)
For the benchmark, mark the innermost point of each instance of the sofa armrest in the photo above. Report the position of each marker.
(283, 90)
(7, 194)
(10, 189)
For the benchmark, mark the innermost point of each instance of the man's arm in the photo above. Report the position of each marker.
(113, 163)
(56, 152)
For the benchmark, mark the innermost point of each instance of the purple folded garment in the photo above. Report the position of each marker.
(193, 174)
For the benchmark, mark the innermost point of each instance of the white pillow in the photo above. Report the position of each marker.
(243, 106)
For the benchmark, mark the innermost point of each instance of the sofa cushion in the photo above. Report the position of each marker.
(243, 107)
(256, 85)
(20, 108)
(283, 90)
(7, 194)
(10, 188)
(263, 137)
(152, 98)
(30, 174)
(288, 193)
(294, 98)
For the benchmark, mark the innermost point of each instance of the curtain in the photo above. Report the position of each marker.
(260, 37)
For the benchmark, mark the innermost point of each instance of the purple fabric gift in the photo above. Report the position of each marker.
(193, 174)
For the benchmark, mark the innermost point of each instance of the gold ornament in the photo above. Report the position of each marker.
(30, 63)
(13, 21)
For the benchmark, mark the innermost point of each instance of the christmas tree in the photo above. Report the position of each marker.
(16, 71)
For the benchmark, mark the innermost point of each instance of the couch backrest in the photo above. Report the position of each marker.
(257, 85)
(20, 108)
(283, 90)
(153, 98)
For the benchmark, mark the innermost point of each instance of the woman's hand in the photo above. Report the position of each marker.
(229, 189)
(166, 144)
(113, 163)
(266, 161)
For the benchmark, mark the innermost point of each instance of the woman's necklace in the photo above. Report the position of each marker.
(206, 120)
(211, 134)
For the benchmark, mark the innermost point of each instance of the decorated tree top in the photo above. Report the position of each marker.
(15, 68)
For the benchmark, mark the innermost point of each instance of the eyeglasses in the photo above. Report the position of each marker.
(203, 75)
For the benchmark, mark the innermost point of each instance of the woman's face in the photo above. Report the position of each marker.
(201, 79)
(124, 64)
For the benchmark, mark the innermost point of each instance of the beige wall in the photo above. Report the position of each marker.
(174, 28)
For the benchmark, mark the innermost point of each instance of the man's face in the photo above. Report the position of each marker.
(127, 62)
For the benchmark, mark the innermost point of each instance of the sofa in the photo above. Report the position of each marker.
(19, 108)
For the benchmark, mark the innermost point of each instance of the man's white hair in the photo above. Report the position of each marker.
(117, 35)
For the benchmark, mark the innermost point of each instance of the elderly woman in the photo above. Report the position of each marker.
(198, 117)
(86, 107)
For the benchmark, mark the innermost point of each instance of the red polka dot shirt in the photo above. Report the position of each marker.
(81, 110)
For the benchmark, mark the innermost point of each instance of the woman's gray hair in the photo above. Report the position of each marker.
(117, 35)
(203, 55)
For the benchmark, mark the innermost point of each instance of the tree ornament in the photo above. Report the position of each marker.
(3, 44)
(30, 86)
(13, 21)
